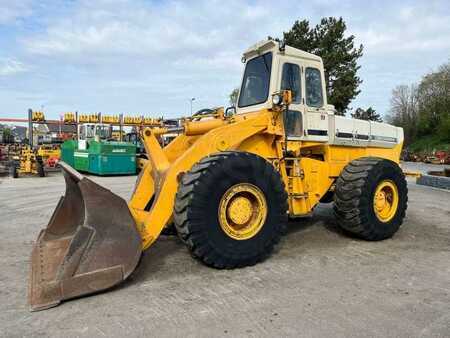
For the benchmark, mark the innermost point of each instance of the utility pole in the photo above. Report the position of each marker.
(192, 100)
(30, 127)
(121, 126)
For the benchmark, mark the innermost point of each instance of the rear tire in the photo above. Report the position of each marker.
(354, 202)
(197, 214)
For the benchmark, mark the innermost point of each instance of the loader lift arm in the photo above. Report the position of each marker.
(166, 176)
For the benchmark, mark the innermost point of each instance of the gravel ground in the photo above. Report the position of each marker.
(318, 283)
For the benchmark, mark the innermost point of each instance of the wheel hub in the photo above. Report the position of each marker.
(385, 200)
(380, 200)
(242, 211)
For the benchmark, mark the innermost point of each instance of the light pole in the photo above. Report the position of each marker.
(192, 100)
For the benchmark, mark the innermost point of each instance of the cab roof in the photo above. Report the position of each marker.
(272, 45)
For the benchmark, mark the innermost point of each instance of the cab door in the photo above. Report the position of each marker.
(316, 116)
(290, 79)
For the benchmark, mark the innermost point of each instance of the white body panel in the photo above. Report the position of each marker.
(359, 133)
(316, 126)
(82, 144)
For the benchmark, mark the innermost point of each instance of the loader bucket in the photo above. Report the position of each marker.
(90, 244)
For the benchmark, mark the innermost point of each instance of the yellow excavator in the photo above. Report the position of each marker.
(229, 182)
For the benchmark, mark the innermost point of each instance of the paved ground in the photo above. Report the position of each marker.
(318, 283)
(423, 167)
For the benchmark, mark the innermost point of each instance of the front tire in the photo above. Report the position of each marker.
(13, 172)
(231, 209)
(40, 169)
(371, 198)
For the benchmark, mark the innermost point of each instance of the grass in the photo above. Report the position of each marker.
(429, 144)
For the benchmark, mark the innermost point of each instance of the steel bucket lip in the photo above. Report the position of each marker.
(74, 174)
(90, 244)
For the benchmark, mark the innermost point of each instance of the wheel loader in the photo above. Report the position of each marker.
(28, 161)
(229, 182)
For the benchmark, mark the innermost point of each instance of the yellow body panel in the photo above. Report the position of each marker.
(70, 118)
(339, 156)
(49, 151)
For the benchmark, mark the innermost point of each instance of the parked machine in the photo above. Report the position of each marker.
(50, 155)
(141, 156)
(95, 152)
(3, 159)
(135, 138)
(229, 181)
(26, 162)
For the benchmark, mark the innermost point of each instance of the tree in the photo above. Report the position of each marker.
(7, 136)
(370, 114)
(434, 103)
(359, 114)
(339, 54)
(423, 110)
(405, 110)
(234, 96)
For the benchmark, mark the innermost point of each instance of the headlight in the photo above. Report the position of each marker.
(276, 99)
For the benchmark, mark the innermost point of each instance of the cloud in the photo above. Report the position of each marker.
(11, 67)
(11, 11)
(136, 28)
(141, 55)
(409, 28)
(100, 30)
(170, 49)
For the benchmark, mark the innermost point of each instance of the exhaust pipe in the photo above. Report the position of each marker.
(90, 244)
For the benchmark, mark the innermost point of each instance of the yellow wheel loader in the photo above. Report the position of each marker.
(27, 162)
(229, 182)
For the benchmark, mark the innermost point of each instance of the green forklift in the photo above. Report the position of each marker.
(96, 152)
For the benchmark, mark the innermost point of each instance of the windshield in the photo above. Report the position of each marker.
(103, 132)
(132, 138)
(87, 131)
(255, 85)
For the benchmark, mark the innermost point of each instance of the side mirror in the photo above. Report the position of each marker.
(230, 111)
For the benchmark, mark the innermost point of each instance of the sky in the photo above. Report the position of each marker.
(150, 57)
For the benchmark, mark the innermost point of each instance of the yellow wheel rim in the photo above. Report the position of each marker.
(385, 200)
(242, 211)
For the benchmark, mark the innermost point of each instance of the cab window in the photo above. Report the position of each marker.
(313, 86)
(103, 132)
(82, 133)
(256, 81)
(290, 80)
(293, 123)
(90, 131)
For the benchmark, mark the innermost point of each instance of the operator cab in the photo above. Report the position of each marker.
(97, 131)
(271, 67)
(93, 132)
